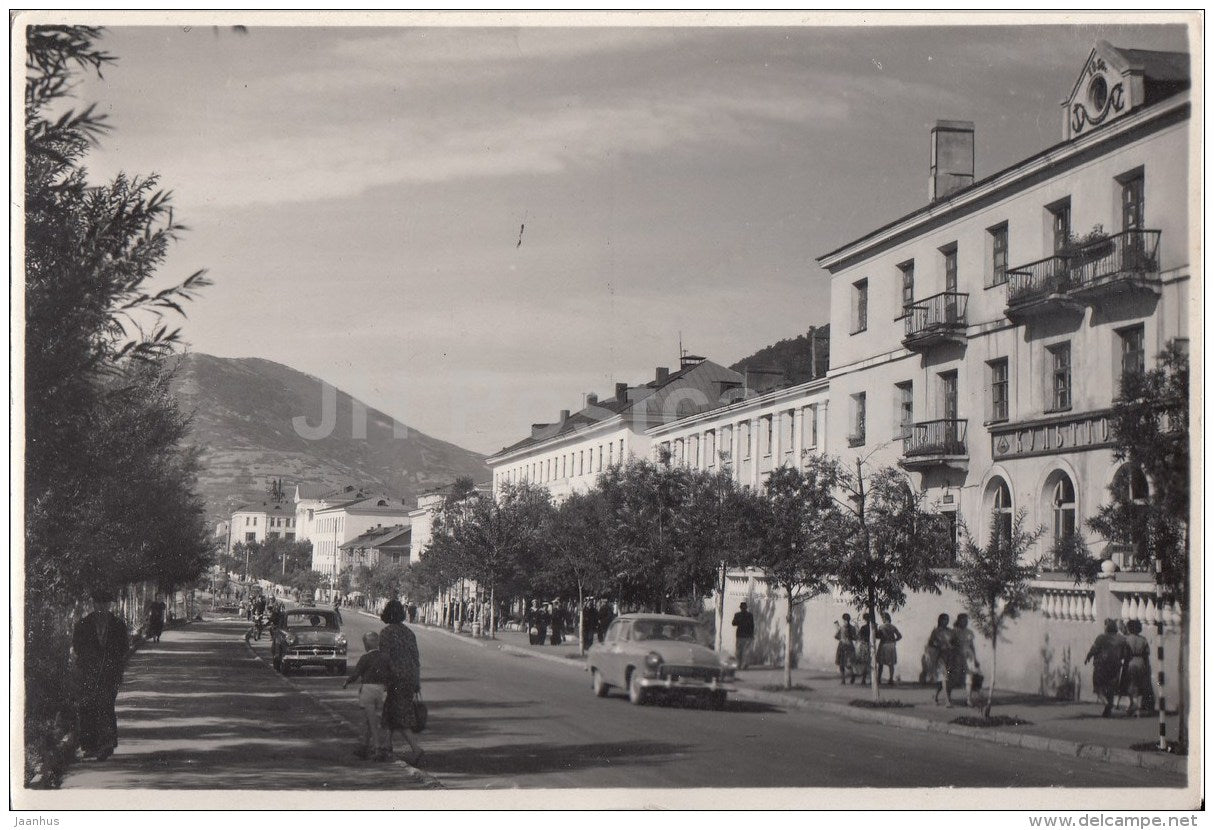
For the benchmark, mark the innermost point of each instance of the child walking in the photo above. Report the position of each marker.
(373, 673)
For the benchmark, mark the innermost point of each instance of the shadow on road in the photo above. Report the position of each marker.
(522, 759)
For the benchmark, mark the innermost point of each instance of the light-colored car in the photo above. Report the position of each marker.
(649, 654)
(309, 637)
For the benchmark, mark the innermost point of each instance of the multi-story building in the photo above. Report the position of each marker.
(390, 543)
(568, 455)
(312, 497)
(257, 523)
(341, 522)
(979, 341)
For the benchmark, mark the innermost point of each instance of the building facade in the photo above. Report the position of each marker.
(568, 454)
(339, 523)
(391, 543)
(978, 343)
(258, 523)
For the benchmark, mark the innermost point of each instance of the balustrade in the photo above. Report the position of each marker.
(1072, 604)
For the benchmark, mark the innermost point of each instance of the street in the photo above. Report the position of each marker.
(500, 720)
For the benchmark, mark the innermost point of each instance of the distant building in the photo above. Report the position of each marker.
(257, 523)
(568, 454)
(312, 497)
(339, 523)
(381, 543)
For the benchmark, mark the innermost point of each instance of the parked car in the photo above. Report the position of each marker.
(651, 654)
(309, 637)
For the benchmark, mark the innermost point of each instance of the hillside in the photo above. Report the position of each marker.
(792, 357)
(243, 420)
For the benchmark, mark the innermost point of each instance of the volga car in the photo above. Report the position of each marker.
(309, 637)
(650, 654)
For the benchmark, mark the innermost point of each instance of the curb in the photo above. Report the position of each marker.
(413, 773)
(1058, 746)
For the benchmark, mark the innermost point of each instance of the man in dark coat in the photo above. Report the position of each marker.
(558, 624)
(100, 642)
(744, 622)
(606, 615)
(590, 623)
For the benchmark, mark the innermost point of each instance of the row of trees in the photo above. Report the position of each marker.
(109, 478)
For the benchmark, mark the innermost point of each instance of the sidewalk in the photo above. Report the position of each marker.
(199, 711)
(1067, 728)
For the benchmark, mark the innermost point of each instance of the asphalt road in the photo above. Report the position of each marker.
(499, 720)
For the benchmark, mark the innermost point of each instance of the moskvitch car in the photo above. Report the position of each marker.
(309, 637)
(653, 654)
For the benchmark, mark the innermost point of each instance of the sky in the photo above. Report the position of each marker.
(470, 228)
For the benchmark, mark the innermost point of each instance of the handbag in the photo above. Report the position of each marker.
(421, 712)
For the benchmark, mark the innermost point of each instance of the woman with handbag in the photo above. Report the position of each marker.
(399, 645)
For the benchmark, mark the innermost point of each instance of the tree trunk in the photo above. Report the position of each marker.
(872, 647)
(990, 689)
(581, 620)
(721, 608)
(492, 611)
(788, 640)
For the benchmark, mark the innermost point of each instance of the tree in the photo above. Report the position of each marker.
(995, 582)
(577, 557)
(109, 481)
(1150, 426)
(891, 546)
(800, 526)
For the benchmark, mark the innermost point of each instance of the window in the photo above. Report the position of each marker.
(906, 409)
(998, 245)
(789, 431)
(1060, 377)
(950, 268)
(1133, 350)
(744, 438)
(765, 434)
(250, 537)
(1132, 197)
(859, 316)
(1063, 501)
(727, 442)
(710, 448)
(858, 420)
(948, 395)
(1060, 223)
(809, 426)
(1002, 504)
(999, 398)
(908, 285)
(952, 528)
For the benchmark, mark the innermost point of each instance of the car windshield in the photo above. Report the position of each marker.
(312, 619)
(683, 632)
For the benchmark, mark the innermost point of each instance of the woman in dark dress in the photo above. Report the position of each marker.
(845, 652)
(1107, 655)
(937, 656)
(888, 636)
(156, 620)
(1137, 664)
(399, 645)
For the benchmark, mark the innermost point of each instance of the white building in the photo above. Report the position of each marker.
(390, 543)
(341, 522)
(979, 341)
(569, 454)
(257, 523)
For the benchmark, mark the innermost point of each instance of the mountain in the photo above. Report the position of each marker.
(790, 361)
(244, 411)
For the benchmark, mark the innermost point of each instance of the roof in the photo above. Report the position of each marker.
(370, 504)
(1165, 74)
(324, 492)
(695, 385)
(265, 507)
(381, 537)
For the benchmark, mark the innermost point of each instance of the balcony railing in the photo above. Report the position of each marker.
(936, 318)
(1037, 280)
(1126, 255)
(932, 439)
(855, 440)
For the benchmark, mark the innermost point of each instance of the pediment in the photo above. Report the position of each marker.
(1107, 88)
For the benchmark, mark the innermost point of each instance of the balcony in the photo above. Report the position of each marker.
(1039, 289)
(935, 320)
(1124, 262)
(856, 439)
(934, 444)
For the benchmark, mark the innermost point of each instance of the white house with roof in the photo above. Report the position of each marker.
(338, 523)
(259, 522)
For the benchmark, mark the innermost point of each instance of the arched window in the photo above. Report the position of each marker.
(1062, 500)
(1130, 484)
(1003, 509)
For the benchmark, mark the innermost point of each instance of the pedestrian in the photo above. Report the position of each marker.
(156, 611)
(399, 646)
(1107, 655)
(1137, 668)
(373, 673)
(845, 652)
(965, 657)
(590, 623)
(557, 621)
(744, 634)
(888, 636)
(100, 642)
(863, 658)
(937, 657)
(606, 615)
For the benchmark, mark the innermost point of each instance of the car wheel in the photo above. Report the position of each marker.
(716, 700)
(600, 686)
(636, 692)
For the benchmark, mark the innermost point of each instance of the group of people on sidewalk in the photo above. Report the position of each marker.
(549, 622)
(1121, 666)
(853, 654)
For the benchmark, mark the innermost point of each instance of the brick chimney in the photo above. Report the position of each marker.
(621, 392)
(952, 162)
(564, 416)
(661, 375)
